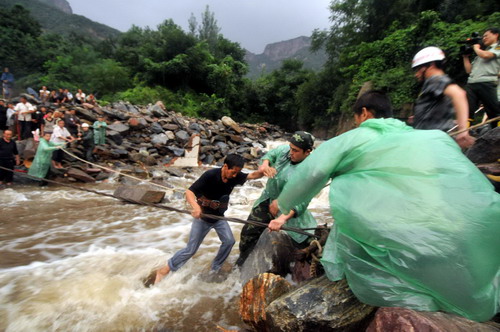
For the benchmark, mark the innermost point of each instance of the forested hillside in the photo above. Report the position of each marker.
(201, 73)
(54, 18)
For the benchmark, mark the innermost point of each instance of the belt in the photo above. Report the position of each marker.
(211, 203)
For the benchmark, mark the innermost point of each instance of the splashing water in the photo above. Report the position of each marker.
(74, 261)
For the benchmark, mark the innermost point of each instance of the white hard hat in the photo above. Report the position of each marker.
(85, 125)
(426, 55)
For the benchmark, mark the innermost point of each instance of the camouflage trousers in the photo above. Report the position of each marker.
(250, 233)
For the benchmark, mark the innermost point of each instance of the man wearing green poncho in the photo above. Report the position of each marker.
(417, 225)
(100, 130)
(41, 164)
(279, 165)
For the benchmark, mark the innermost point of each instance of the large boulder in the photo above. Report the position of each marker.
(487, 148)
(139, 194)
(78, 174)
(272, 253)
(319, 305)
(402, 319)
(257, 294)
(115, 136)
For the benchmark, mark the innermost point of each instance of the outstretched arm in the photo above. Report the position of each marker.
(191, 199)
(459, 99)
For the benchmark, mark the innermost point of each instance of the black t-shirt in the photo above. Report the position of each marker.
(210, 186)
(7, 149)
(3, 117)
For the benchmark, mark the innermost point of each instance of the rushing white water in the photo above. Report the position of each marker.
(75, 261)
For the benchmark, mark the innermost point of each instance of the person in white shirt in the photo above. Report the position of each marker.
(24, 111)
(80, 97)
(60, 135)
(44, 94)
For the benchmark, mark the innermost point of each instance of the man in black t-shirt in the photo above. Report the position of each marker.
(8, 153)
(210, 195)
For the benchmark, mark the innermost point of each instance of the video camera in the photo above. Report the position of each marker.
(467, 49)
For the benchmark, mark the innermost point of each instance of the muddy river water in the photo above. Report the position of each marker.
(75, 261)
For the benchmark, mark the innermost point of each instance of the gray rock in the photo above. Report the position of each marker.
(139, 194)
(120, 152)
(114, 136)
(114, 114)
(196, 127)
(156, 128)
(175, 171)
(119, 127)
(182, 136)
(159, 139)
(78, 174)
(487, 147)
(176, 151)
(85, 114)
(157, 111)
(208, 160)
(171, 126)
(319, 305)
(272, 253)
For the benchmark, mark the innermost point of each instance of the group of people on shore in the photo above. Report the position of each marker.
(51, 129)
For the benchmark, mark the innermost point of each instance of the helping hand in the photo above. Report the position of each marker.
(273, 208)
(464, 140)
(275, 225)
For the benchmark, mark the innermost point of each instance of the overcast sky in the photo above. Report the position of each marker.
(252, 23)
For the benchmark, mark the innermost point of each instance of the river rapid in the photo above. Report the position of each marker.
(75, 261)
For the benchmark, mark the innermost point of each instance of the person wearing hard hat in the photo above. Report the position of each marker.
(440, 100)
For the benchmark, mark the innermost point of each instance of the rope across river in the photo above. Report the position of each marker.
(161, 206)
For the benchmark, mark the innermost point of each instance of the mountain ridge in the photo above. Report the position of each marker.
(274, 54)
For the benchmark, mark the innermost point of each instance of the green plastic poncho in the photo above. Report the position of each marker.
(43, 158)
(99, 132)
(280, 160)
(417, 225)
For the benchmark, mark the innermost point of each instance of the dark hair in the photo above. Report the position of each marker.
(495, 31)
(376, 102)
(234, 160)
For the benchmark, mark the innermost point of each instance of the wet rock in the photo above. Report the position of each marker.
(159, 139)
(78, 174)
(487, 147)
(319, 305)
(139, 194)
(175, 171)
(257, 294)
(272, 253)
(228, 122)
(119, 127)
(402, 319)
(156, 128)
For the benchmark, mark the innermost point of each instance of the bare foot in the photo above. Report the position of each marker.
(161, 273)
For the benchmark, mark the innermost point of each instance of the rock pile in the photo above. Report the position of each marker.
(155, 136)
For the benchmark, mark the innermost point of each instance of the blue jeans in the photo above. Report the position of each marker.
(199, 229)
